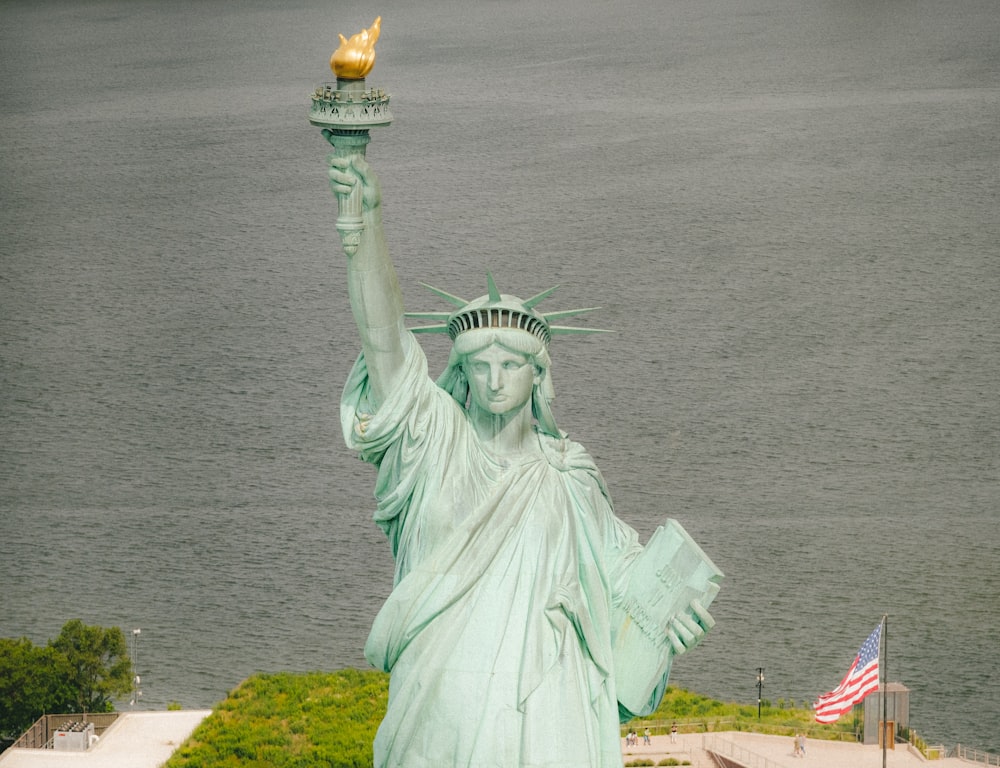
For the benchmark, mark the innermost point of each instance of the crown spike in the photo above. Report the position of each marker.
(497, 311)
(560, 314)
(441, 317)
(538, 298)
(563, 330)
(492, 288)
(450, 298)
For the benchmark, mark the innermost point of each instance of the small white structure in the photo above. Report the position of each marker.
(897, 706)
(73, 737)
(134, 740)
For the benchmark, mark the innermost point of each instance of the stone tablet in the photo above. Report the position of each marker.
(670, 572)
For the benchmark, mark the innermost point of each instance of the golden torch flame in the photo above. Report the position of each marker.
(355, 57)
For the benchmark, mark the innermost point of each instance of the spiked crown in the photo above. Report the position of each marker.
(496, 310)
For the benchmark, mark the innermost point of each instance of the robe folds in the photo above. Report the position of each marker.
(497, 635)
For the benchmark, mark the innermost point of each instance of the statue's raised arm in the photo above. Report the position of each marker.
(376, 300)
(525, 619)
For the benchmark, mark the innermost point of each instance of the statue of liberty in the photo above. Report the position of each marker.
(526, 620)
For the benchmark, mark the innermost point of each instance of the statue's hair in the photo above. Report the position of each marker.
(455, 383)
(509, 322)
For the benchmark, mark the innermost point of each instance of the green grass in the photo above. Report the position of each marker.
(694, 712)
(285, 720)
(317, 719)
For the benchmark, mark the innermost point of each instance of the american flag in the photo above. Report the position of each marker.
(860, 680)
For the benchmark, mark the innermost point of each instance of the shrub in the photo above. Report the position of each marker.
(310, 720)
(285, 720)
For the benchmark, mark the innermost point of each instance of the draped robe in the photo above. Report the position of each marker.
(497, 633)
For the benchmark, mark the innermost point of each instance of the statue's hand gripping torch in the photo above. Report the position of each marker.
(346, 111)
(350, 205)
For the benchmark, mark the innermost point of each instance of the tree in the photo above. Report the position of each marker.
(100, 667)
(33, 681)
(80, 671)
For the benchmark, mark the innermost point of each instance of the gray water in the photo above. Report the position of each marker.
(787, 210)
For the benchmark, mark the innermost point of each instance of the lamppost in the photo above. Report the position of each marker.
(136, 693)
(760, 685)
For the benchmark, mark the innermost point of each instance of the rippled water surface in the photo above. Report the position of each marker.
(787, 210)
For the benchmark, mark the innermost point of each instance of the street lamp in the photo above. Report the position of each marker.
(136, 693)
(760, 685)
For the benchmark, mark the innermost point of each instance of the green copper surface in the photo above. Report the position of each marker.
(525, 619)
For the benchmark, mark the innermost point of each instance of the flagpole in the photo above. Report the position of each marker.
(885, 684)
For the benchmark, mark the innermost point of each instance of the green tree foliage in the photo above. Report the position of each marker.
(33, 681)
(79, 671)
(100, 665)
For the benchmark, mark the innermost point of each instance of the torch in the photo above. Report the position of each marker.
(346, 110)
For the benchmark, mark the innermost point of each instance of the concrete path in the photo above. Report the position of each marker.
(777, 751)
(134, 740)
(147, 739)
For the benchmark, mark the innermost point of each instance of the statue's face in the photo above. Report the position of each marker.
(500, 381)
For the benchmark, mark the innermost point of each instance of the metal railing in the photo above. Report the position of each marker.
(975, 756)
(41, 733)
(726, 748)
(938, 751)
(722, 724)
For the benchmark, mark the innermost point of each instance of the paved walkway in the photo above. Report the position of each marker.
(134, 740)
(147, 739)
(687, 747)
(835, 754)
(778, 752)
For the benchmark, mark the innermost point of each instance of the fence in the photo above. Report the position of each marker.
(40, 734)
(736, 724)
(975, 756)
(937, 751)
(719, 747)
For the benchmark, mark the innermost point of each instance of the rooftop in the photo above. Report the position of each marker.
(134, 740)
